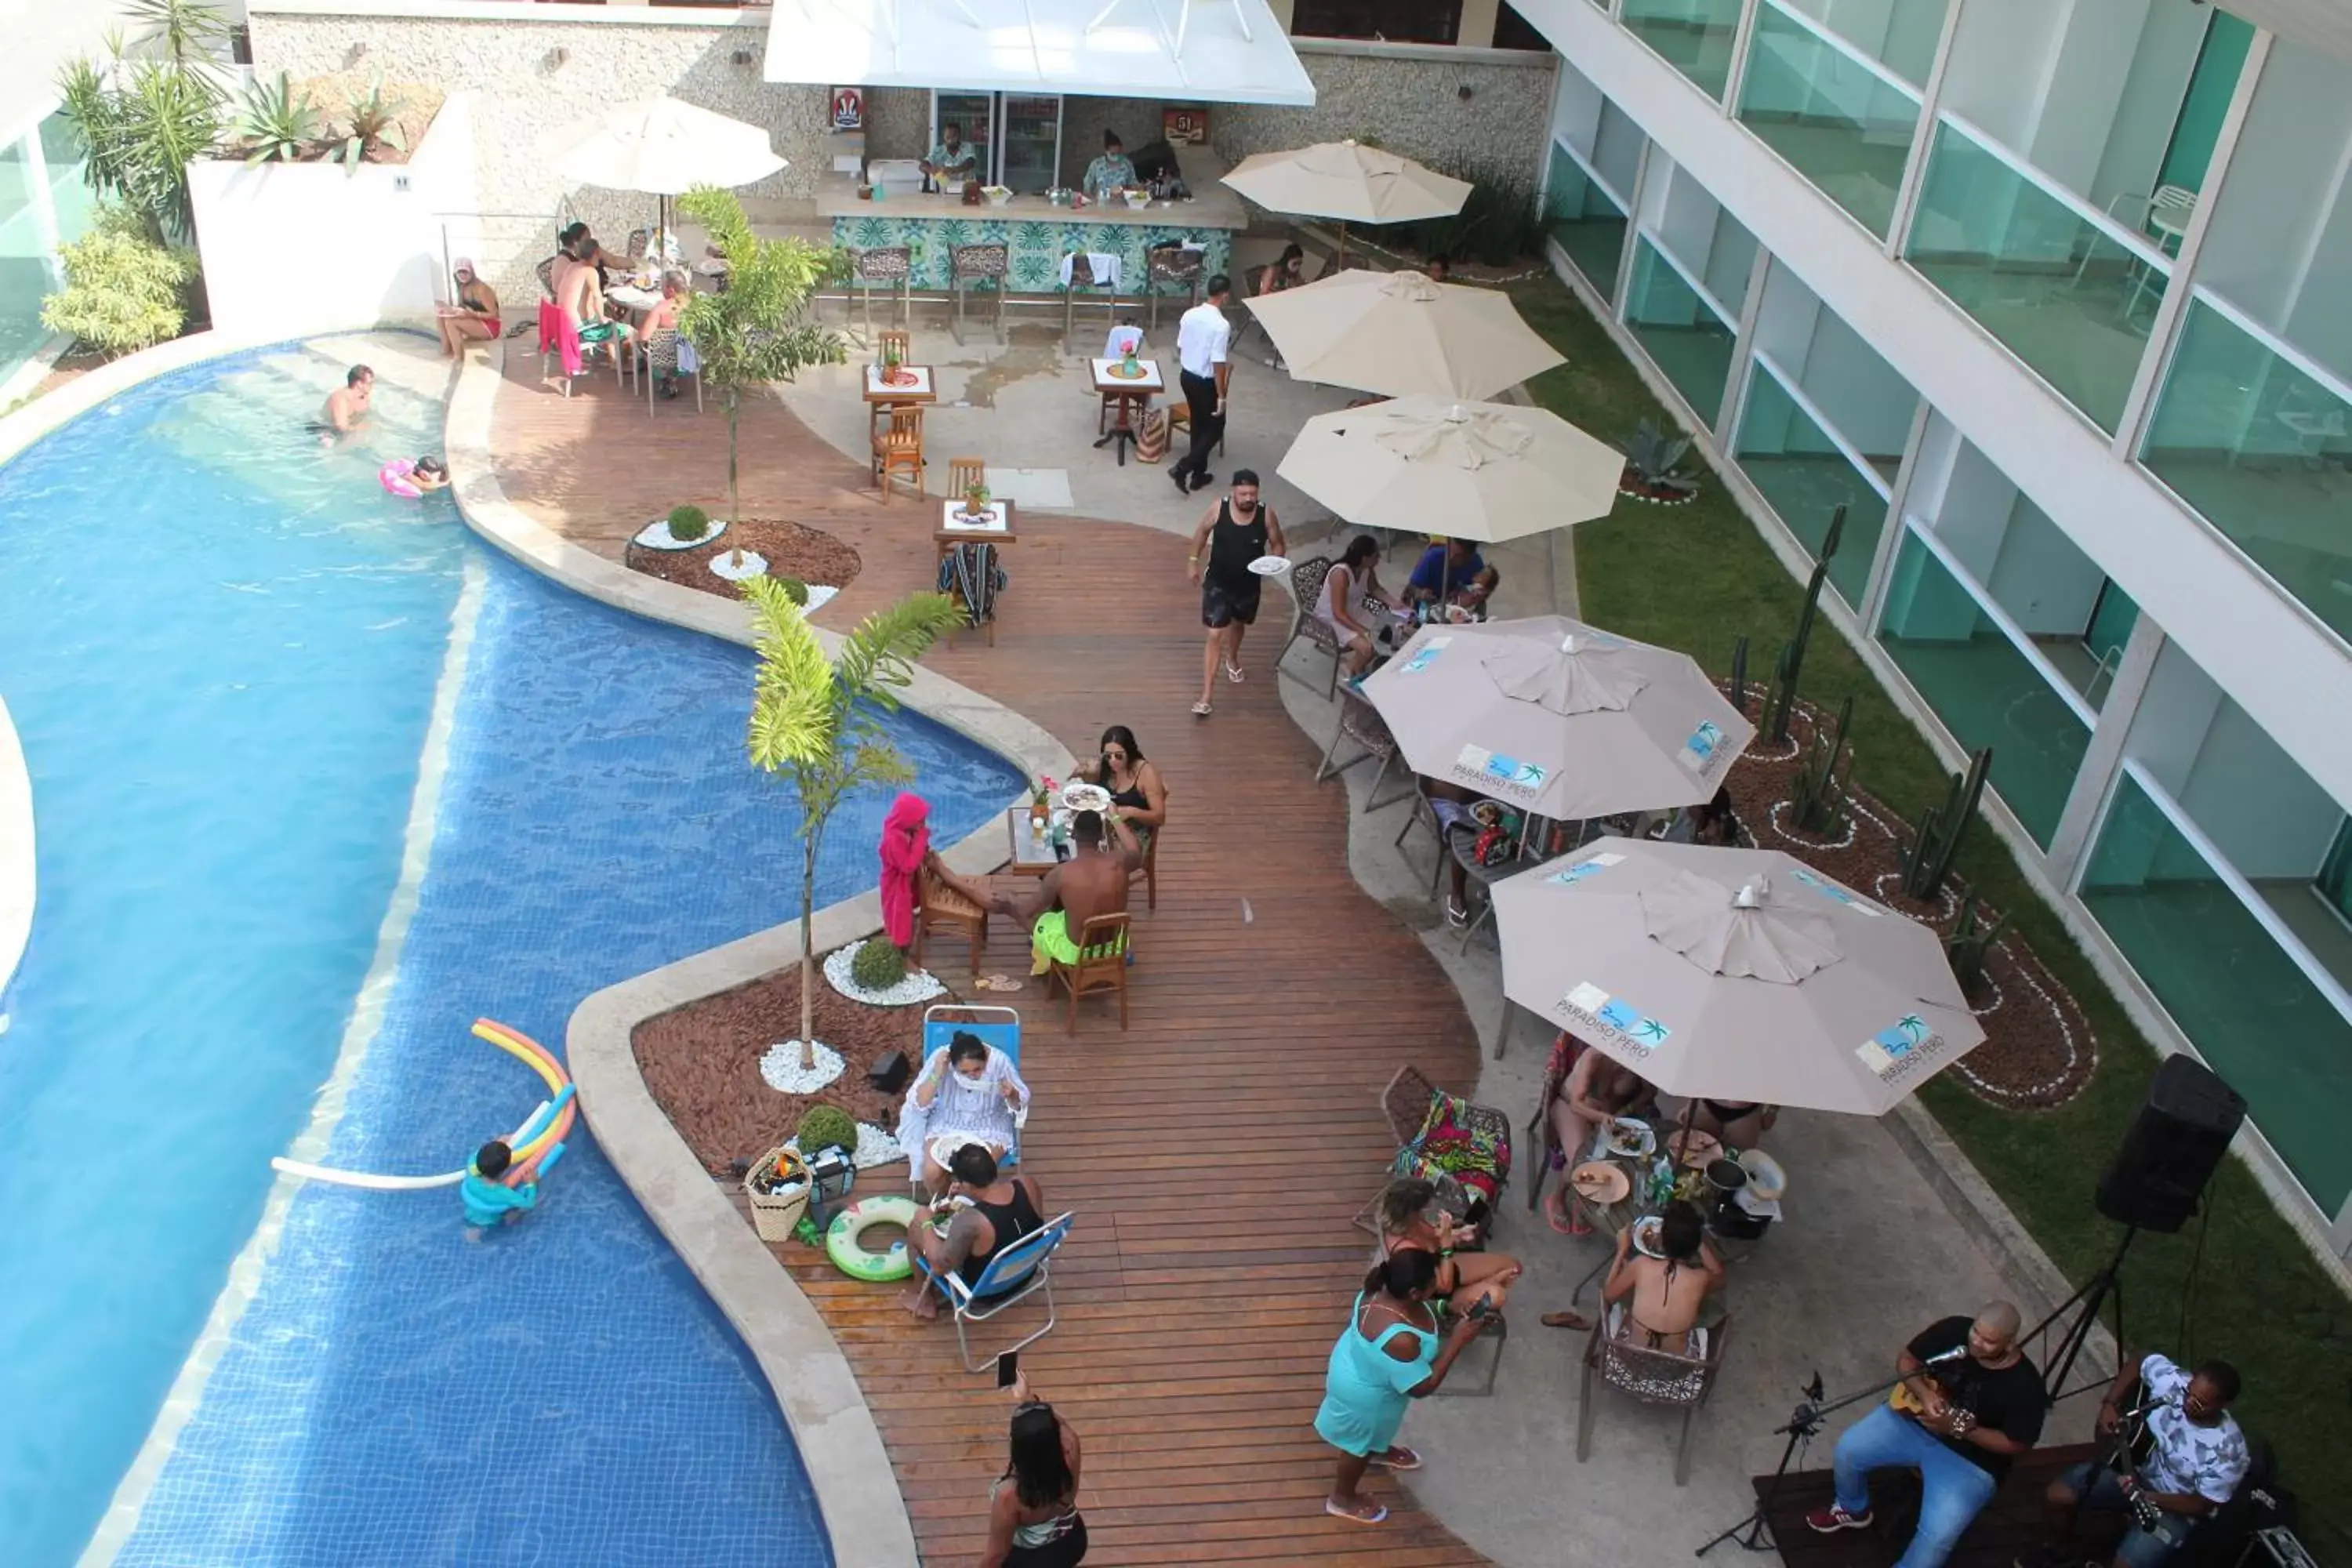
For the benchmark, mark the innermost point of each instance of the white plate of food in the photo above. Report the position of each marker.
(1270, 565)
(943, 1148)
(1079, 795)
(1630, 1138)
(1646, 1236)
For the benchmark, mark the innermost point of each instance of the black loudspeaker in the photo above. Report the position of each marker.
(889, 1072)
(2173, 1147)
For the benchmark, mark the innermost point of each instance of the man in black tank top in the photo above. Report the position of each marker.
(1234, 532)
(1003, 1210)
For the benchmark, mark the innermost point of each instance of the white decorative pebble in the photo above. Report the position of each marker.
(780, 1067)
(875, 1147)
(917, 986)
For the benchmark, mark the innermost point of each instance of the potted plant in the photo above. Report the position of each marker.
(1039, 802)
(1650, 474)
(975, 502)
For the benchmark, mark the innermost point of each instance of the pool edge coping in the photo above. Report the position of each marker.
(840, 1445)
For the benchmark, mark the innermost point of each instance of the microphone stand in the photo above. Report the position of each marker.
(1802, 1425)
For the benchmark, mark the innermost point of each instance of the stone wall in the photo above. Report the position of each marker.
(523, 90)
(1409, 103)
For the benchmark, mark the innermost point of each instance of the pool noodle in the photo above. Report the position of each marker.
(547, 1161)
(536, 1139)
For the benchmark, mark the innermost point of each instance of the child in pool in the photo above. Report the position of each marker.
(488, 1201)
(413, 477)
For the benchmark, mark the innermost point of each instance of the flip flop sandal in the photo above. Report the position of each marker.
(1380, 1514)
(1576, 1321)
(1233, 673)
(1411, 1461)
(1202, 710)
(1573, 1227)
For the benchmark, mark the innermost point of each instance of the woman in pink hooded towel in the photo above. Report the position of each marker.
(906, 841)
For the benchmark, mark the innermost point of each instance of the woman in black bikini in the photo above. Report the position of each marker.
(1738, 1123)
(1135, 785)
(1661, 1296)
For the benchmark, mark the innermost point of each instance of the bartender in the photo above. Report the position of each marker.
(1111, 172)
(950, 162)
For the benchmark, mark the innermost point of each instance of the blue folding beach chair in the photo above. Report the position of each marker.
(999, 1026)
(1013, 1274)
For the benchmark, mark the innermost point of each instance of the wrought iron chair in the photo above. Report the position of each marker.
(1654, 1377)
(1307, 592)
(882, 267)
(662, 359)
(969, 264)
(1361, 722)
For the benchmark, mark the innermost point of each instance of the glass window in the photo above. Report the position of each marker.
(1983, 686)
(1806, 476)
(15, 180)
(1587, 222)
(1900, 35)
(2249, 1008)
(2260, 442)
(1694, 36)
(2038, 272)
(1681, 329)
(1843, 121)
(2333, 882)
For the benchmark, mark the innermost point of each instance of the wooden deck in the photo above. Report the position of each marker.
(1216, 1151)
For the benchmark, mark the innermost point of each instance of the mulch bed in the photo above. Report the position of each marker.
(702, 1064)
(792, 550)
(2039, 1051)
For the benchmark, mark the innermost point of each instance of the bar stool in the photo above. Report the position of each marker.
(1165, 264)
(979, 264)
(1084, 276)
(884, 265)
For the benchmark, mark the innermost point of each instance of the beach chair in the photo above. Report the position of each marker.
(999, 1026)
(1013, 1274)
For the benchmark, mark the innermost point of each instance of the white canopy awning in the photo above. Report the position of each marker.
(1211, 51)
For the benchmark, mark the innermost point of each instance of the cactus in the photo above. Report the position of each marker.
(1739, 674)
(1792, 662)
(1650, 464)
(1817, 798)
(1967, 943)
(1927, 860)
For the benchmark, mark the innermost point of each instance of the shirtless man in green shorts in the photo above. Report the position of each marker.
(1092, 882)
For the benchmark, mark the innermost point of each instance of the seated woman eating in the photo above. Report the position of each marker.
(1654, 1302)
(1138, 793)
(966, 1087)
(1340, 606)
(1464, 1278)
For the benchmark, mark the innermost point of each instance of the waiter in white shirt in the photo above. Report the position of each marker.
(1202, 339)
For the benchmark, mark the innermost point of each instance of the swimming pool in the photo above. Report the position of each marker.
(230, 729)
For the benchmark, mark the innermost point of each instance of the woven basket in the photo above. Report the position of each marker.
(773, 1215)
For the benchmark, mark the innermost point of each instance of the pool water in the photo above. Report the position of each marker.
(228, 727)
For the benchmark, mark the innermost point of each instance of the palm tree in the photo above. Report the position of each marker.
(819, 723)
(759, 328)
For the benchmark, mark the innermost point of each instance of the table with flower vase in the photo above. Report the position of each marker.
(996, 527)
(1129, 386)
(1029, 844)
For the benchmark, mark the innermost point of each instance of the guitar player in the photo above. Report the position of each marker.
(2196, 1456)
(1970, 1402)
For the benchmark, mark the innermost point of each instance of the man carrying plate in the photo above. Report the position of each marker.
(1233, 537)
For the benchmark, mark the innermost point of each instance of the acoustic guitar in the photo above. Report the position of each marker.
(1901, 1397)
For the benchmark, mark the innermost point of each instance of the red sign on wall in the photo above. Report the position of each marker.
(1184, 127)
(848, 108)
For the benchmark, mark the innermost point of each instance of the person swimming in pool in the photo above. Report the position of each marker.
(346, 406)
(413, 477)
(488, 1201)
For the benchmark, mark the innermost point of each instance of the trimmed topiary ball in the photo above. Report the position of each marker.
(796, 590)
(687, 523)
(877, 964)
(826, 1127)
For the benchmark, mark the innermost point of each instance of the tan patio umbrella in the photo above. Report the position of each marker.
(1558, 718)
(1485, 471)
(1741, 974)
(1347, 181)
(1398, 333)
(659, 146)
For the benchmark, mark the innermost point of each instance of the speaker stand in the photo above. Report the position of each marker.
(2084, 1306)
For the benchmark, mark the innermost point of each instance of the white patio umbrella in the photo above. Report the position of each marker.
(1741, 974)
(660, 146)
(1487, 471)
(1347, 181)
(1398, 333)
(1558, 718)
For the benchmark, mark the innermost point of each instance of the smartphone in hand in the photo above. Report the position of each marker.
(1008, 1369)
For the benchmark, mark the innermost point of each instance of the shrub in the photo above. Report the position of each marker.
(826, 1127)
(123, 291)
(275, 123)
(878, 965)
(796, 590)
(687, 523)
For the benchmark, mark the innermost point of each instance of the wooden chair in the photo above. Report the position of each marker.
(1103, 952)
(1654, 1377)
(970, 264)
(898, 340)
(963, 473)
(900, 446)
(1148, 868)
(1361, 722)
(941, 908)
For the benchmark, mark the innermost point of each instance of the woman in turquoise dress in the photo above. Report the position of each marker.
(1390, 1353)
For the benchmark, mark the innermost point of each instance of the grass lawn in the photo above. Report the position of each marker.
(1695, 578)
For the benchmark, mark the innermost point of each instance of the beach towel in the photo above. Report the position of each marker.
(905, 840)
(1106, 266)
(970, 570)
(559, 333)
